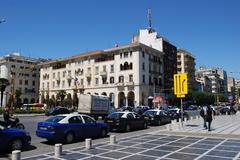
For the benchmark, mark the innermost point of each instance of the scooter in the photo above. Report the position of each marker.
(16, 124)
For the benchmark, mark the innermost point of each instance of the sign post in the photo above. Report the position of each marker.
(181, 88)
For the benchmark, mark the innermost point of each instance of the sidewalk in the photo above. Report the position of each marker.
(25, 115)
(223, 125)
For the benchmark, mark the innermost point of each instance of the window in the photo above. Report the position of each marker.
(130, 53)
(104, 68)
(47, 84)
(26, 82)
(143, 54)
(111, 80)
(42, 85)
(96, 80)
(75, 119)
(143, 66)
(97, 70)
(143, 79)
(58, 74)
(120, 55)
(81, 81)
(20, 82)
(89, 69)
(130, 66)
(121, 79)
(104, 80)
(64, 72)
(150, 80)
(33, 83)
(53, 84)
(13, 66)
(88, 119)
(125, 54)
(112, 68)
(130, 78)
(63, 84)
(53, 75)
(89, 82)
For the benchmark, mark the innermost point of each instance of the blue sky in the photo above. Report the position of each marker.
(61, 28)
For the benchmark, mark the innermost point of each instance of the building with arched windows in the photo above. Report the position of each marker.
(127, 74)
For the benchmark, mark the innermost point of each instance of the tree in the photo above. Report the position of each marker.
(3, 84)
(61, 94)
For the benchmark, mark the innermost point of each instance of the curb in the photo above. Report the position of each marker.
(25, 115)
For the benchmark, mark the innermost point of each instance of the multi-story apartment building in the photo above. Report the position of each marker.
(23, 75)
(186, 64)
(204, 84)
(123, 73)
(217, 76)
(231, 87)
(151, 38)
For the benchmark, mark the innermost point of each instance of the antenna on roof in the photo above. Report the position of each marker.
(149, 18)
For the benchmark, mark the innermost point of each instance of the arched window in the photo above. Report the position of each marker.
(126, 66)
(130, 66)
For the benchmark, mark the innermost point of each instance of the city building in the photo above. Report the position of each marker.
(128, 74)
(231, 87)
(152, 39)
(23, 75)
(237, 90)
(186, 64)
(203, 84)
(217, 76)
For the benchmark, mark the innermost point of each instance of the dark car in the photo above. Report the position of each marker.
(126, 121)
(69, 127)
(140, 109)
(13, 139)
(57, 111)
(157, 117)
(177, 114)
(225, 110)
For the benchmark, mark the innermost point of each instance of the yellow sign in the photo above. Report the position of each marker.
(180, 85)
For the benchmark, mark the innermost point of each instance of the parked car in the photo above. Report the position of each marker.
(126, 121)
(225, 110)
(157, 117)
(176, 114)
(13, 139)
(141, 109)
(57, 111)
(69, 127)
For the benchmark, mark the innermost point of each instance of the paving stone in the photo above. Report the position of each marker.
(193, 150)
(214, 139)
(156, 153)
(178, 144)
(36, 158)
(94, 151)
(234, 140)
(96, 158)
(74, 156)
(202, 146)
(115, 154)
(209, 142)
(168, 139)
(140, 140)
(132, 150)
(139, 157)
(176, 137)
(145, 145)
(223, 154)
(111, 147)
(214, 158)
(127, 143)
(228, 148)
(195, 138)
(182, 156)
(231, 144)
(168, 148)
(187, 141)
(158, 142)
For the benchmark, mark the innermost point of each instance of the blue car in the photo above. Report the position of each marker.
(69, 127)
(13, 139)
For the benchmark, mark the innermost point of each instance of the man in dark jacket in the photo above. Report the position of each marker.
(209, 117)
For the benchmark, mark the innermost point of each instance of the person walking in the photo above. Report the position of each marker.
(209, 117)
(203, 114)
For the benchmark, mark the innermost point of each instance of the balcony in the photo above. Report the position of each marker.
(103, 73)
(129, 83)
(69, 77)
(120, 84)
(88, 75)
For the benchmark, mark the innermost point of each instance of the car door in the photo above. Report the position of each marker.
(76, 125)
(90, 127)
(138, 120)
(132, 121)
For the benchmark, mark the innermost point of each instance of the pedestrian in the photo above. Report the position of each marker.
(203, 114)
(209, 117)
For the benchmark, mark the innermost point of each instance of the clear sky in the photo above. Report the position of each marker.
(210, 29)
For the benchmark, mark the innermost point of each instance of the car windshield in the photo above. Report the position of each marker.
(55, 119)
(115, 115)
(150, 113)
(172, 111)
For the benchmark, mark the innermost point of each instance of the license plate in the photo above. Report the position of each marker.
(43, 128)
(110, 121)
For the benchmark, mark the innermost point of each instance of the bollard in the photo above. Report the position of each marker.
(58, 150)
(16, 155)
(88, 143)
(169, 127)
(112, 139)
(191, 118)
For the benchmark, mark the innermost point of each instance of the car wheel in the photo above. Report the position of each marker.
(103, 133)
(69, 138)
(128, 128)
(159, 122)
(145, 125)
(16, 144)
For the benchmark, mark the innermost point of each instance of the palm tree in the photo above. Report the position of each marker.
(3, 84)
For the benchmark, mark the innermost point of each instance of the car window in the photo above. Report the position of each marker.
(75, 119)
(55, 119)
(137, 115)
(147, 113)
(130, 116)
(88, 119)
(115, 115)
